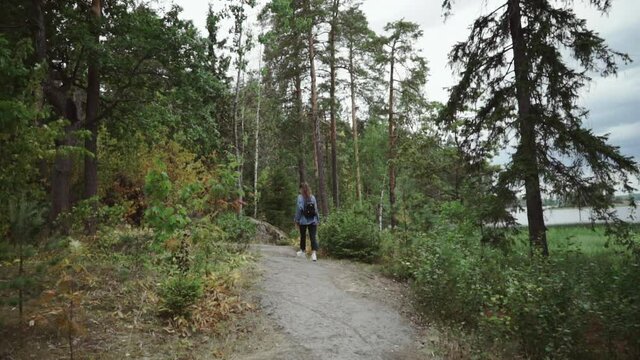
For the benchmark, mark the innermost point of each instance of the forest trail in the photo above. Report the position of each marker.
(332, 310)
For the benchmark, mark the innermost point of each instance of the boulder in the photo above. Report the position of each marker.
(269, 234)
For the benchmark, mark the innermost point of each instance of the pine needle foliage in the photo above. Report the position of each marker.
(522, 70)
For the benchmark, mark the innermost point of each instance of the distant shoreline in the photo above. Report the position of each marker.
(576, 216)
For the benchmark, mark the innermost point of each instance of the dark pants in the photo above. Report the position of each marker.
(313, 229)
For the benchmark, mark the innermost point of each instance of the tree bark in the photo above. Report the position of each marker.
(332, 100)
(64, 106)
(242, 147)
(257, 143)
(324, 209)
(91, 120)
(38, 30)
(301, 133)
(526, 157)
(354, 122)
(380, 204)
(392, 144)
(61, 183)
(20, 273)
(62, 167)
(235, 117)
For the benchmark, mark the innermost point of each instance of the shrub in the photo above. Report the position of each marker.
(450, 282)
(88, 210)
(178, 294)
(274, 207)
(163, 218)
(396, 255)
(567, 306)
(125, 239)
(351, 233)
(208, 246)
(237, 229)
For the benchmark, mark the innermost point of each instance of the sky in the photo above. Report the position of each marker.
(613, 102)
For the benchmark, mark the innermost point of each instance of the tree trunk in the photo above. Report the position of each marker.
(38, 30)
(392, 145)
(242, 147)
(63, 106)
(380, 204)
(20, 275)
(332, 100)
(324, 209)
(91, 121)
(326, 142)
(301, 170)
(526, 156)
(236, 134)
(354, 122)
(256, 153)
(301, 133)
(61, 177)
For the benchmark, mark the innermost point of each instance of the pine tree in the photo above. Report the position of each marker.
(334, 29)
(514, 65)
(285, 55)
(358, 39)
(91, 121)
(407, 75)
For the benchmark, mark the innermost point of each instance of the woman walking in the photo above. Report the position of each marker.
(307, 218)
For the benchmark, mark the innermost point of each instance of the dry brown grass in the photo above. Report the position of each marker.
(116, 315)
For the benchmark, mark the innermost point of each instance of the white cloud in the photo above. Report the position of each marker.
(624, 132)
(439, 35)
(622, 15)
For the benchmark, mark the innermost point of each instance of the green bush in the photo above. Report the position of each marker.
(125, 239)
(87, 210)
(351, 233)
(274, 207)
(178, 294)
(449, 280)
(238, 230)
(396, 253)
(586, 307)
(567, 306)
(208, 246)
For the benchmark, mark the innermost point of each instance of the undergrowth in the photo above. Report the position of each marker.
(178, 274)
(582, 302)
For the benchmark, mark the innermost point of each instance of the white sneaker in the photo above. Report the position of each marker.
(313, 256)
(300, 253)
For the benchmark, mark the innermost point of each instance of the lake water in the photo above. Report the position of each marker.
(567, 216)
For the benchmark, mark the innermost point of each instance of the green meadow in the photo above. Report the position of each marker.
(586, 239)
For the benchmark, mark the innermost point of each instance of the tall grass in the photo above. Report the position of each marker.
(589, 240)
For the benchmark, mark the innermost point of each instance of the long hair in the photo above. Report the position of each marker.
(305, 190)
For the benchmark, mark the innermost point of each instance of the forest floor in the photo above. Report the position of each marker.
(333, 309)
(295, 309)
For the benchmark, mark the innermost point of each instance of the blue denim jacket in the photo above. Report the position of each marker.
(300, 218)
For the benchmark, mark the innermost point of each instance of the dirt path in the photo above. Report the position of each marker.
(331, 310)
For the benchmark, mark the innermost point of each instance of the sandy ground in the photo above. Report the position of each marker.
(331, 310)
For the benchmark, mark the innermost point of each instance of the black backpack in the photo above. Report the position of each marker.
(309, 209)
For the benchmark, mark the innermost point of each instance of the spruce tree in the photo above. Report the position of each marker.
(523, 67)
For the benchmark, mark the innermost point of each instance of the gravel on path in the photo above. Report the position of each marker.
(326, 312)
